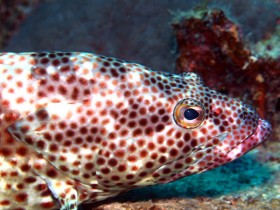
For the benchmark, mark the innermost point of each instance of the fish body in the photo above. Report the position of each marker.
(79, 127)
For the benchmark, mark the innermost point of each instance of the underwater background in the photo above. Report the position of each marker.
(233, 45)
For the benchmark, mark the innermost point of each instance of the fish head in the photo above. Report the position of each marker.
(212, 129)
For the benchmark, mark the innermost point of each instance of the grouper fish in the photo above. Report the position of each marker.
(78, 128)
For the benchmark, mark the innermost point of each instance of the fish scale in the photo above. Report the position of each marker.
(79, 127)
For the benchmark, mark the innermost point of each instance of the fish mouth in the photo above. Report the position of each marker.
(259, 136)
(252, 132)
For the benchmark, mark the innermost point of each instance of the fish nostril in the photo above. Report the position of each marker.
(250, 108)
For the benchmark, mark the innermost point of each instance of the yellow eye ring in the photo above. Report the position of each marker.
(189, 113)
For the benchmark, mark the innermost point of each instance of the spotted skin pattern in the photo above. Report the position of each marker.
(79, 127)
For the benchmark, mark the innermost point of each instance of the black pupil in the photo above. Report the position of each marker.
(191, 114)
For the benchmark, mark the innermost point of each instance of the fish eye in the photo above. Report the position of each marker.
(189, 113)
